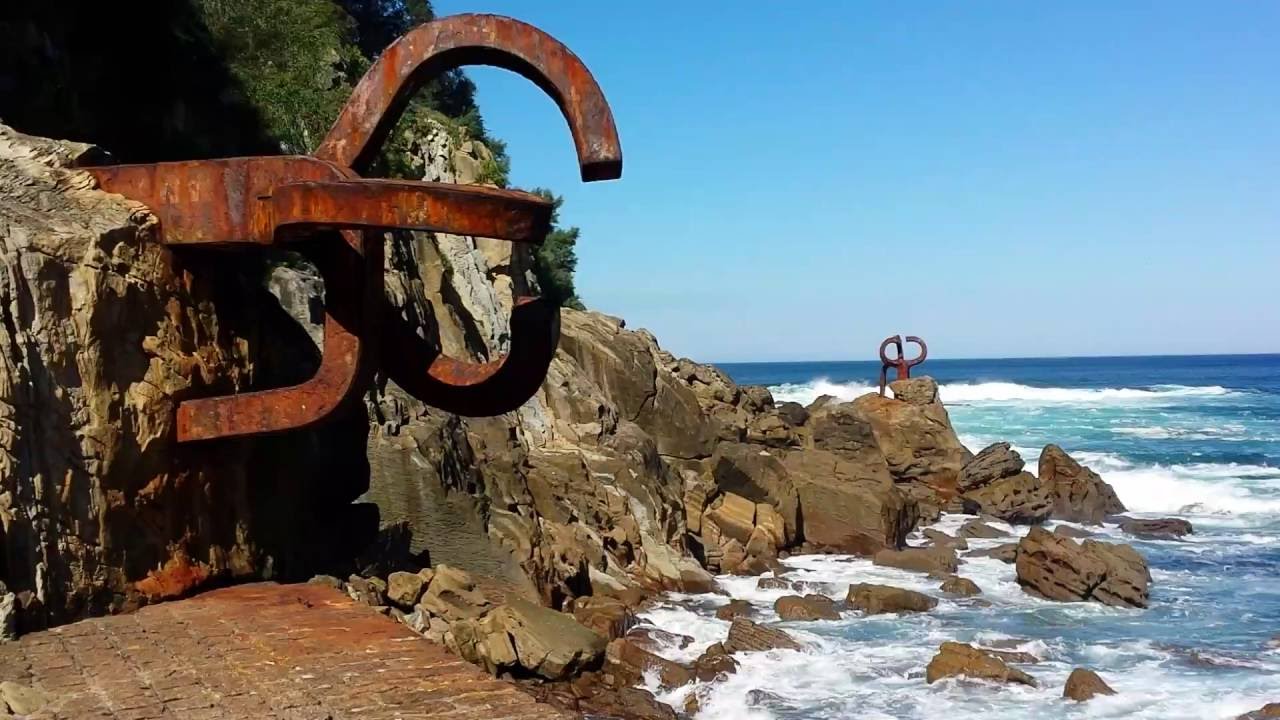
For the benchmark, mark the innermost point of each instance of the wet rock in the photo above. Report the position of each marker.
(757, 697)
(980, 530)
(1084, 684)
(960, 587)
(793, 413)
(1019, 499)
(608, 617)
(992, 463)
(808, 607)
(1158, 529)
(1058, 568)
(22, 699)
(876, 599)
(1270, 710)
(714, 664)
(1079, 494)
(747, 636)
(961, 660)
(937, 538)
(652, 639)
(735, 609)
(1011, 656)
(1004, 552)
(1069, 531)
(935, 561)
(773, 583)
(629, 663)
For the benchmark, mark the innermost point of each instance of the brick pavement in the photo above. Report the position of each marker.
(293, 652)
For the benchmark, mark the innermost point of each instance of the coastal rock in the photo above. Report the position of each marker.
(747, 636)
(1069, 531)
(1084, 684)
(1058, 568)
(734, 609)
(1158, 529)
(104, 331)
(1270, 710)
(847, 506)
(1079, 494)
(773, 583)
(808, 607)
(714, 664)
(978, 529)
(1019, 499)
(960, 587)
(937, 538)
(8, 615)
(452, 595)
(1004, 552)
(939, 561)
(876, 599)
(992, 463)
(916, 438)
(606, 616)
(537, 640)
(961, 660)
(404, 588)
(915, 391)
(629, 663)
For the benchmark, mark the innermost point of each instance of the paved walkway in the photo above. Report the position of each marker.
(296, 652)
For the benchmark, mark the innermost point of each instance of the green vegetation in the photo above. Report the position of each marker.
(557, 259)
(191, 79)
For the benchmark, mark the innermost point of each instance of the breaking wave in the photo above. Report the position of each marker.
(1003, 392)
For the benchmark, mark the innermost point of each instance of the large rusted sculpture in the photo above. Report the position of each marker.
(899, 363)
(320, 206)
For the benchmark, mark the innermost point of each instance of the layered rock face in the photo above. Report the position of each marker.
(102, 332)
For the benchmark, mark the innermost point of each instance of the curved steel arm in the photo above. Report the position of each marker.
(477, 389)
(441, 45)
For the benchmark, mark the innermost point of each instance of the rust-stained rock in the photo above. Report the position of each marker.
(875, 599)
(961, 660)
(1058, 568)
(1084, 684)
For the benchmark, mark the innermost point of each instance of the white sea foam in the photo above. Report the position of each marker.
(1199, 489)
(1003, 392)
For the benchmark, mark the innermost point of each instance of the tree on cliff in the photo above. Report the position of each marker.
(557, 259)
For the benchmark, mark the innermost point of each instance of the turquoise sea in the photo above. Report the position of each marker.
(1191, 437)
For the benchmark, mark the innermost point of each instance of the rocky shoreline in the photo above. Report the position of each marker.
(526, 543)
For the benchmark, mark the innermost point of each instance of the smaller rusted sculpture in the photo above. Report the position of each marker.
(320, 206)
(899, 363)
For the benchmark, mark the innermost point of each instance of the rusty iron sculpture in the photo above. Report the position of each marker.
(899, 363)
(320, 206)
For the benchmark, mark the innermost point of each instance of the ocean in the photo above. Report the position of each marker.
(1190, 437)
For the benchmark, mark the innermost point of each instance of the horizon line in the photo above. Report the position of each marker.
(994, 357)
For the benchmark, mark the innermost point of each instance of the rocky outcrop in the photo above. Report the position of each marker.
(630, 662)
(914, 434)
(937, 561)
(1058, 568)
(848, 507)
(1155, 529)
(807, 607)
(961, 660)
(875, 599)
(747, 636)
(960, 587)
(104, 331)
(1084, 684)
(994, 483)
(1079, 494)
(1004, 552)
(1270, 710)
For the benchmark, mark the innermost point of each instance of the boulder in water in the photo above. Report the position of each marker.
(960, 587)
(1084, 684)
(747, 636)
(808, 607)
(1155, 529)
(937, 561)
(961, 660)
(1058, 568)
(1079, 494)
(876, 599)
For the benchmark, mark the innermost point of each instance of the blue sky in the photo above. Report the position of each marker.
(1002, 178)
